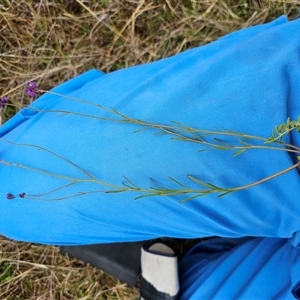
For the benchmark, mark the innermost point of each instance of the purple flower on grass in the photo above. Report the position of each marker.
(3, 101)
(32, 90)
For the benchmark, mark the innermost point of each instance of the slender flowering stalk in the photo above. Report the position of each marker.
(182, 132)
(240, 143)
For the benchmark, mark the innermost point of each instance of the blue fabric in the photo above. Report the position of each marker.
(247, 81)
(253, 268)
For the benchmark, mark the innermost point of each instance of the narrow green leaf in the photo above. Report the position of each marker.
(226, 193)
(197, 180)
(171, 178)
(190, 198)
(130, 182)
(116, 191)
(239, 152)
(144, 196)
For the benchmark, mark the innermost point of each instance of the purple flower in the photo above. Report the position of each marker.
(22, 195)
(3, 101)
(32, 89)
(10, 196)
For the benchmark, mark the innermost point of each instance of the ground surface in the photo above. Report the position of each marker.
(50, 41)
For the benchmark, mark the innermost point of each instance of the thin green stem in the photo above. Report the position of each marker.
(73, 98)
(52, 153)
(242, 187)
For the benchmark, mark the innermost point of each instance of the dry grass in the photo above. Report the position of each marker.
(51, 41)
(29, 271)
